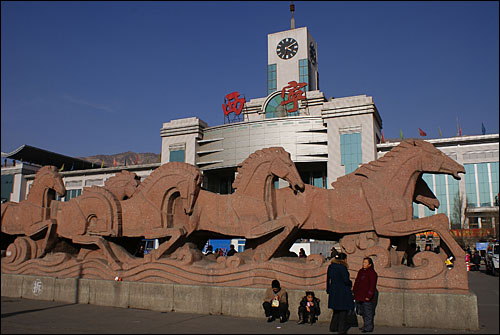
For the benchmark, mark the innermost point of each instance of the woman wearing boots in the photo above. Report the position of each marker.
(340, 299)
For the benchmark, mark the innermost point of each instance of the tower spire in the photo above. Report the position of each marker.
(292, 9)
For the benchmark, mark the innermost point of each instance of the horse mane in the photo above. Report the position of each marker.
(158, 172)
(367, 170)
(254, 159)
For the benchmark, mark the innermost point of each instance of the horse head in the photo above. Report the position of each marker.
(123, 184)
(189, 187)
(433, 160)
(49, 178)
(283, 167)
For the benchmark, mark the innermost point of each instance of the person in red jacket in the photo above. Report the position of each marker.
(366, 294)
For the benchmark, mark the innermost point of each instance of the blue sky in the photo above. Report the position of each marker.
(87, 78)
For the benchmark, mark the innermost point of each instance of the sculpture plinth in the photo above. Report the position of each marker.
(89, 236)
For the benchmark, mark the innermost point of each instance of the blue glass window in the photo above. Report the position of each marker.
(454, 194)
(271, 78)
(441, 193)
(470, 185)
(304, 71)
(177, 156)
(494, 179)
(484, 184)
(428, 180)
(275, 109)
(7, 185)
(415, 211)
(350, 151)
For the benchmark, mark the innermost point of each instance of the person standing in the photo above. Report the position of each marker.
(340, 299)
(275, 302)
(231, 251)
(302, 253)
(365, 293)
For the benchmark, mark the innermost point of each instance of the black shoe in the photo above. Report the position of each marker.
(282, 320)
(301, 322)
(271, 319)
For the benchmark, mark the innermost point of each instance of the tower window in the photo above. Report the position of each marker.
(304, 72)
(271, 78)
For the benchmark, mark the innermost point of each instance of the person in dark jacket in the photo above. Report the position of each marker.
(365, 293)
(275, 302)
(338, 287)
(308, 308)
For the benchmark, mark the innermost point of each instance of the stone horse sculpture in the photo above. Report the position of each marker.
(250, 211)
(166, 195)
(378, 196)
(36, 213)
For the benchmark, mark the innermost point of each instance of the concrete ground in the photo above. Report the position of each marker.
(22, 316)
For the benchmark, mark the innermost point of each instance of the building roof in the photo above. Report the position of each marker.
(27, 153)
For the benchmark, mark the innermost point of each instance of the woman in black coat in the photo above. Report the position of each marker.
(340, 298)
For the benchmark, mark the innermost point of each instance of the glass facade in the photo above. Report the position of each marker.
(484, 184)
(494, 180)
(350, 151)
(304, 72)
(430, 182)
(271, 78)
(177, 156)
(470, 185)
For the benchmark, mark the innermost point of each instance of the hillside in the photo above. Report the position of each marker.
(129, 156)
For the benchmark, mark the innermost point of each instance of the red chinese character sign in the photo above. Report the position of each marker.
(295, 94)
(233, 104)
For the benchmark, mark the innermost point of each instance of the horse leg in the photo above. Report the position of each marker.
(175, 235)
(49, 240)
(104, 246)
(266, 250)
(437, 223)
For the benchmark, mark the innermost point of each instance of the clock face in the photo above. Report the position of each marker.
(312, 53)
(287, 48)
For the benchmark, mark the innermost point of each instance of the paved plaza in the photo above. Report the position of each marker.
(22, 316)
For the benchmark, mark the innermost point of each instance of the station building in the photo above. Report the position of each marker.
(327, 137)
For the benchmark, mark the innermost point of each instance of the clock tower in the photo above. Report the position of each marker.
(291, 55)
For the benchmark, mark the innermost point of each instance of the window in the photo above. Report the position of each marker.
(473, 222)
(7, 184)
(484, 184)
(271, 78)
(350, 151)
(275, 109)
(177, 152)
(94, 182)
(429, 181)
(470, 185)
(494, 180)
(304, 72)
(441, 193)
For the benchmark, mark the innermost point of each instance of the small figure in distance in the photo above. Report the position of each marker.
(231, 251)
(275, 302)
(302, 253)
(209, 250)
(308, 309)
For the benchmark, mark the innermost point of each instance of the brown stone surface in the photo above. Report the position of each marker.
(365, 209)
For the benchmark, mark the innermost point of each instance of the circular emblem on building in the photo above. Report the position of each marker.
(37, 287)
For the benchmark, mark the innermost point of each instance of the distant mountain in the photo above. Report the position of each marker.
(129, 156)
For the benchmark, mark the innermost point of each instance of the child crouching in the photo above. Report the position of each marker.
(308, 308)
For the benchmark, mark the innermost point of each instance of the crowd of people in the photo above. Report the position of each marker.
(345, 299)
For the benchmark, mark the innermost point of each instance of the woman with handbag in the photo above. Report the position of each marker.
(340, 299)
(365, 293)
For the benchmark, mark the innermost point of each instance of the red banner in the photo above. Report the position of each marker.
(473, 232)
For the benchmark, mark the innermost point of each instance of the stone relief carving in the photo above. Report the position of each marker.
(93, 235)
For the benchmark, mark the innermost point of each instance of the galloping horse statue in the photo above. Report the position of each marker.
(165, 196)
(378, 196)
(36, 213)
(251, 211)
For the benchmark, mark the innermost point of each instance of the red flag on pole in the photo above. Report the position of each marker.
(136, 158)
(421, 132)
(383, 138)
(114, 162)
